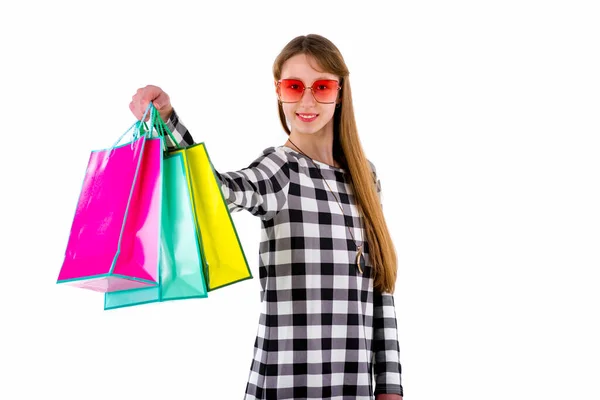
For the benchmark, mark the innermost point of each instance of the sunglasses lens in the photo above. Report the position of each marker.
(291, 90)
(325, 91)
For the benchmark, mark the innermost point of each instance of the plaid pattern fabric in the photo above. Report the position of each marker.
(323, 332)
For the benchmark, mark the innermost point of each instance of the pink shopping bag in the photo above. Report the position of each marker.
(114, 239)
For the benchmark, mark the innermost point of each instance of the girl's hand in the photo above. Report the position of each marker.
(388, 397)
(154, 94)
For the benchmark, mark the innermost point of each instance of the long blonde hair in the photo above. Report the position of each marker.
(348, 152)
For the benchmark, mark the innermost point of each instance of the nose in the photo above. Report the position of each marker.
(307, 98)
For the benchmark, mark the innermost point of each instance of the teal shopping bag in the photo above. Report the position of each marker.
(180, 264)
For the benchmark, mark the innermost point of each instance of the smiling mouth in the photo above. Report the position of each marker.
(307, 117)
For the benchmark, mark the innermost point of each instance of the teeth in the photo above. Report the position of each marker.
(308, 115)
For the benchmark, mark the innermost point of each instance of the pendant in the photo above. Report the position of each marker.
(360, 259)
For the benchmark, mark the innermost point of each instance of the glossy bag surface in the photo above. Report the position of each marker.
(225, 261)
(180, 268)
(113, 242)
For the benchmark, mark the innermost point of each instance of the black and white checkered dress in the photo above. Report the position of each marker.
(323, 332)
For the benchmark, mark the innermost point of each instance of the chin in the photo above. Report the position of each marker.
(308, 131)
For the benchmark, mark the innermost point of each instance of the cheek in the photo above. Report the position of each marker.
(328, 112)
(288, 110)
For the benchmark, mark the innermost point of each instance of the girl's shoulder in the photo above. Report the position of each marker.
(303, 162)
(274, 151)
(273, 157)
(286, 155)
(373, 169)
(280, 155)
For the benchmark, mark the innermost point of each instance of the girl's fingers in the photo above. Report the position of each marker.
(161, 101)
(143, 97)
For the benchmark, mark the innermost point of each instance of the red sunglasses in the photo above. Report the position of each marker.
(323, 90)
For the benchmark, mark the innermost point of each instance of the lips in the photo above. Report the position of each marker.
(306, 117)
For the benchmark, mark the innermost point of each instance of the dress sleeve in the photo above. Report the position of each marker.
(179, 131)
(261, 188)
(376, 181)
(387, 367)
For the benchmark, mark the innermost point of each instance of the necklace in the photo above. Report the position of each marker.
(360, 259)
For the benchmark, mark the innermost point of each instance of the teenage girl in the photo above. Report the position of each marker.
(327, 265)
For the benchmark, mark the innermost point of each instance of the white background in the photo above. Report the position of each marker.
(481, 117)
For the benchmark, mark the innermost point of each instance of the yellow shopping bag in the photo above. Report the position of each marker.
(224, 259)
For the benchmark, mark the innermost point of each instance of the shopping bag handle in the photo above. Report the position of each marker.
(162, 130)
(140, 128)
(137, 125)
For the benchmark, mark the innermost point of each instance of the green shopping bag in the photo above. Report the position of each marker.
(180, 264)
